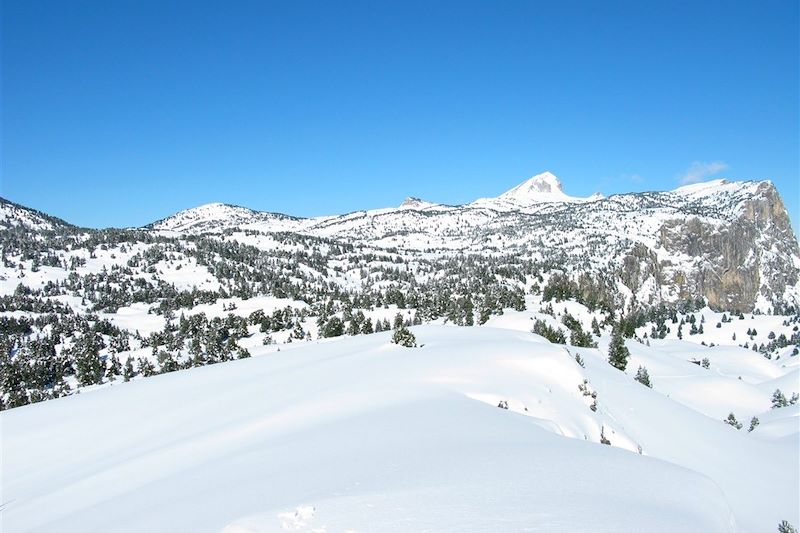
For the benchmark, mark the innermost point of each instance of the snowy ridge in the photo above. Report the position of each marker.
(214, 216)
(12, 214)
(393, 439)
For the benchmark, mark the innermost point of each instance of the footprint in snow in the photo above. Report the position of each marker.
(297, 519)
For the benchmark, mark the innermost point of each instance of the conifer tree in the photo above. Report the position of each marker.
(128, 371)
(731, 421)
(618, 353)
(403, 337)
(643, 377)
(88, 364)
(114, 368)
(778, 399)
(366, 327)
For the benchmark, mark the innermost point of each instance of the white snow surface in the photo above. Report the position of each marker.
(358, 434)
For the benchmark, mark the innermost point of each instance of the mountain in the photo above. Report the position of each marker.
(214, 216)
(17, 216)
(728, 242)
(415, 203)
(542, 188)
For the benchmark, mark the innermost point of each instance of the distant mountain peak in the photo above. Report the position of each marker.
(546, 182)
(544, 187)
(413, 202)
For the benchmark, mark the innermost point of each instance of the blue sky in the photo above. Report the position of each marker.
(120, 113)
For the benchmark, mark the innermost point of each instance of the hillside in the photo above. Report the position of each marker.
(363, 435)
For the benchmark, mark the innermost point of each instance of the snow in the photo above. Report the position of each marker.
(359, 434)
(544, 187)
(703, 186)
(780, 424)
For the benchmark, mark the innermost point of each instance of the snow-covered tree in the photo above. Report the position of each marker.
(403, 337)
(731, 421)
(778, 399)
(643, 377)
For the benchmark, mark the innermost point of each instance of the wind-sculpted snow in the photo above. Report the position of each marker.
(363, 435)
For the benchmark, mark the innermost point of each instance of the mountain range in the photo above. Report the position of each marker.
(729, 242)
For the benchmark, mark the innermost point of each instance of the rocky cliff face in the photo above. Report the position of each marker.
(733, 265)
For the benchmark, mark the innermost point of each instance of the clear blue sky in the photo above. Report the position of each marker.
(119, 113)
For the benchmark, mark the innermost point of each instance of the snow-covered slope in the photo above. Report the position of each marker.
(362, 435)
(217, 216)
(14, 215)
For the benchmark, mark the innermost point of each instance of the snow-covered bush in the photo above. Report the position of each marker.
(403, 337)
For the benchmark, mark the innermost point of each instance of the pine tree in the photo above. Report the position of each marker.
(753, 423)
(242, 353)
(146, 368)
(334, 327)
(88, 364)
(554, 335)
(643, 377)
(778, 399)
(731, 421)
(353, 327)
(114, 368)
(128, 372)
(469, 312)
(618, 353)
(366, 327)
(298, 332)
(786, 527)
